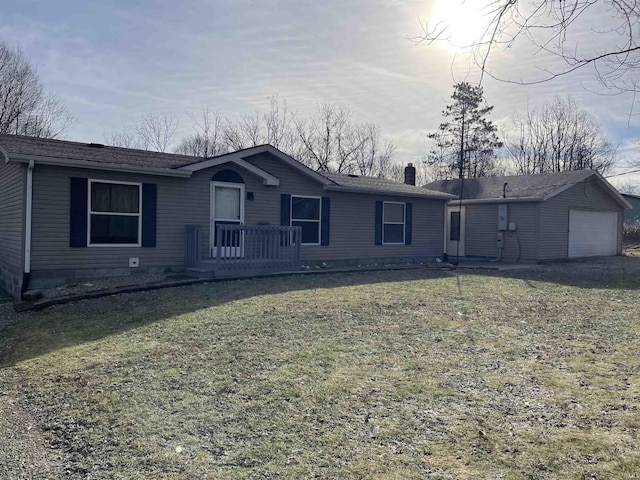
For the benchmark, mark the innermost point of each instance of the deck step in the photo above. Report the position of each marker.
(200, 272)
(208, 272)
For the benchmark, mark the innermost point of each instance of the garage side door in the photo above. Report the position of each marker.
(592, 233)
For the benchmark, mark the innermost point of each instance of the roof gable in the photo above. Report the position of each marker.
(267, 178)
(240, 155)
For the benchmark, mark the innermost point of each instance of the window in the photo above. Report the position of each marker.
(305, 213)
(114, 213)
(393, 227)
(454, 227)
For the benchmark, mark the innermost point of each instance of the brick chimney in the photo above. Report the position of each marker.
(410, 174)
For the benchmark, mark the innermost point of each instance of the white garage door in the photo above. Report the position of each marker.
(592, 233)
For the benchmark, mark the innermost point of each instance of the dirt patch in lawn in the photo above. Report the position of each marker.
(410, 374)
(25, 452)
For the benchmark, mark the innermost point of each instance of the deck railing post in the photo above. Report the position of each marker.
(217, 247)
(296, 257)
(192, 246)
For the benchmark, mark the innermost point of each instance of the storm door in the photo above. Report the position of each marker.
(227, 208)
(455, 231)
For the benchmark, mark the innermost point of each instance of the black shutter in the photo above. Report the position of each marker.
(285, 210)
(378, 223)
(78, 212)
(324, 227)
(149, 214)
(407, 223)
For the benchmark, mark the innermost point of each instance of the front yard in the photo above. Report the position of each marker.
(408, 374)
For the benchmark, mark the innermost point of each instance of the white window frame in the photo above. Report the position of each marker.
(90, 212)
(319, 221)
(403, 223)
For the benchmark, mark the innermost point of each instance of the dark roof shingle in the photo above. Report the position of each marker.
(379, 184)
(517, 186)
(21, 145)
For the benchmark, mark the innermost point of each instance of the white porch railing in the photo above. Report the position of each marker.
(257, 248)
(245, 250)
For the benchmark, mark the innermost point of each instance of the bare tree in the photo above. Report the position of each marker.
(127, 138)
(25, 107)
(373, 158)
(327, 141)
(553, 27)
(275, 127)
(157, 131)
(208, 138)
(559, 137)
(279, 126)
(247, 132)
(632, 188)
(154, 131)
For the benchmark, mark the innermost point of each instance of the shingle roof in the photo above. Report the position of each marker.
(380, 184)
(17, 145)
(21, 145)
(517, 186)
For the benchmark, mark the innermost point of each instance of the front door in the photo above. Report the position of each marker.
(227, 208)
(455, 231)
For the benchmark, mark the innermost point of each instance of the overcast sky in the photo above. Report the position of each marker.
(111, 61)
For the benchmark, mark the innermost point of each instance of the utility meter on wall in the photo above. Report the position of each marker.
(502, 217)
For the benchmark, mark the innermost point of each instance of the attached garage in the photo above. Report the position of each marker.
(592, 234)
(534, 218)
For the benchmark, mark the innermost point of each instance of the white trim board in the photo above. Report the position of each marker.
(239, 156)
(267, 178)
(112, 167)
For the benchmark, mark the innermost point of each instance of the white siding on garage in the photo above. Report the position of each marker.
(592, 233)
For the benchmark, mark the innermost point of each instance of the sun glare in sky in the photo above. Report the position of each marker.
(460, 23)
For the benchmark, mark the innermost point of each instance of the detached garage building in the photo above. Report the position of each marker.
(533, 217)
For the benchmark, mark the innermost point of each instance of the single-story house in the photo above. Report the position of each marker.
(540, 217)
(76, 210)
(633, 214)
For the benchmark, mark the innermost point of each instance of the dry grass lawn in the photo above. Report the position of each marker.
(389, 375)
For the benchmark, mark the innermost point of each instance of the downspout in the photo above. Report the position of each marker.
(27, 230)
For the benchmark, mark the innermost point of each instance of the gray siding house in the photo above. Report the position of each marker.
(75, 210)
(541, 217)
(632, 215)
